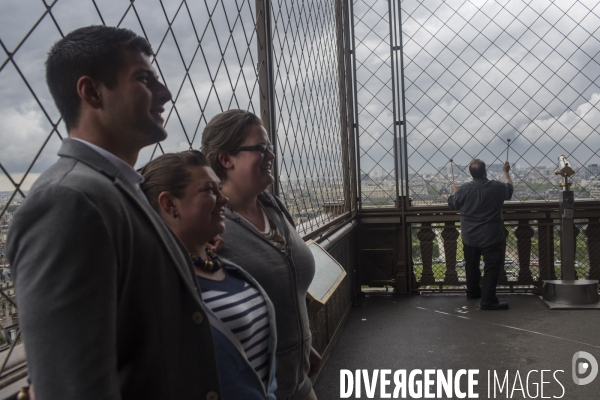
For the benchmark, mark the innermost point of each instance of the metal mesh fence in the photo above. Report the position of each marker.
(205, 52)
(476, 74)
(480, 73)
(307, 102)
(374, 102)
(208, 54)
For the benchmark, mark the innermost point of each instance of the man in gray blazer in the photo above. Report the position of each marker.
(108, 305)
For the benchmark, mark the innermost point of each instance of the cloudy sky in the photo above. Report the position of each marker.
(25, 127)
(476, 73)
(208, 60)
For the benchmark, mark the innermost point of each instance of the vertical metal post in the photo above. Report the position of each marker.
(355, 103)
(546, 249)
(342, 90)
(401, 154)
(567, 247)
(393, 48)
(265, 79)
(351, 102)
(592, 232)
(403, 139)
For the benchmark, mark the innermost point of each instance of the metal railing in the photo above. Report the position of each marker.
(532, 251)
(422, 249)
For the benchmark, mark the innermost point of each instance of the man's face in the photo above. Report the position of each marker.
(134, 105)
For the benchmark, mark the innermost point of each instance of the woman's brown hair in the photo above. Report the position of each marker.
(170, 173)
(224, 133)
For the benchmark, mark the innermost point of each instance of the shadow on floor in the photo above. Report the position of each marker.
(449, 332)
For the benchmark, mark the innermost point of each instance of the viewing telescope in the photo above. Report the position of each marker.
(564, 169)
(568, 292)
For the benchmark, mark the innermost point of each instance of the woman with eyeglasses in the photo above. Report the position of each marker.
(186, 193)
(262, 237)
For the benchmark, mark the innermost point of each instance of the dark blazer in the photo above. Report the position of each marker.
(107, 300)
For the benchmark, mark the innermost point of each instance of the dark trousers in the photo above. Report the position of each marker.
(493, 256)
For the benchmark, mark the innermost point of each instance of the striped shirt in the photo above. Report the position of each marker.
(242, 308)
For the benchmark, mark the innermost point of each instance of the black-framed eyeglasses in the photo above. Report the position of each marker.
(261, 148)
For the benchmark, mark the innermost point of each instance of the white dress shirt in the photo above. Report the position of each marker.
(127, 170)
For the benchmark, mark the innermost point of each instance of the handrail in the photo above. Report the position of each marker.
(582, 207)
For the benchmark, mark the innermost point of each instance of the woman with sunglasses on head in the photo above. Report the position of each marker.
(186, 193)
(261, 235)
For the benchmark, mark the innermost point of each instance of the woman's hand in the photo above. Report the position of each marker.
(215, 244)
(314, 359)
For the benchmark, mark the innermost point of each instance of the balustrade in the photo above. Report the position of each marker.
(426, 237)
(524, 233)
(502, 277)
(530, 248)
(592, 232)
(546, 250)
(450, 235)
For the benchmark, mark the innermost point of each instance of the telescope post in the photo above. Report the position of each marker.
(568, 293)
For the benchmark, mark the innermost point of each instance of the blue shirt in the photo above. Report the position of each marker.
(237, 376)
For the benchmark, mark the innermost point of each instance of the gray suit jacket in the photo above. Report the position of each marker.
(107, 300)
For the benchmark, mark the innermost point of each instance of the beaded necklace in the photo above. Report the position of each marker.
(211, 264)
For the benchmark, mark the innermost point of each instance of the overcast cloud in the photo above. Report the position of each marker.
(221, 75)
(478, 73)
(457, 80)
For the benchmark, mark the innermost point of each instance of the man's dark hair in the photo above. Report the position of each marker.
(94, 51)
(477, 168)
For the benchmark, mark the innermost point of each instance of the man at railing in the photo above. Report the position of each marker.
(482, 230)
(107, 301)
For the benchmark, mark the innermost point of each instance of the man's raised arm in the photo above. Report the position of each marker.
(506, 170)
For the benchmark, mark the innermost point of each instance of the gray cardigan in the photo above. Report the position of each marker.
(286, 281)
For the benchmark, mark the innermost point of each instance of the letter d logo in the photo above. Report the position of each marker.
(583, 367)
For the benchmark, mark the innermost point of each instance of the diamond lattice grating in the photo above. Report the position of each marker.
(374, 103)
(477, 74)
(307, 105)
(205, 52)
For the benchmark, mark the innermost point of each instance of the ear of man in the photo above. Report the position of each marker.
(89, 92)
